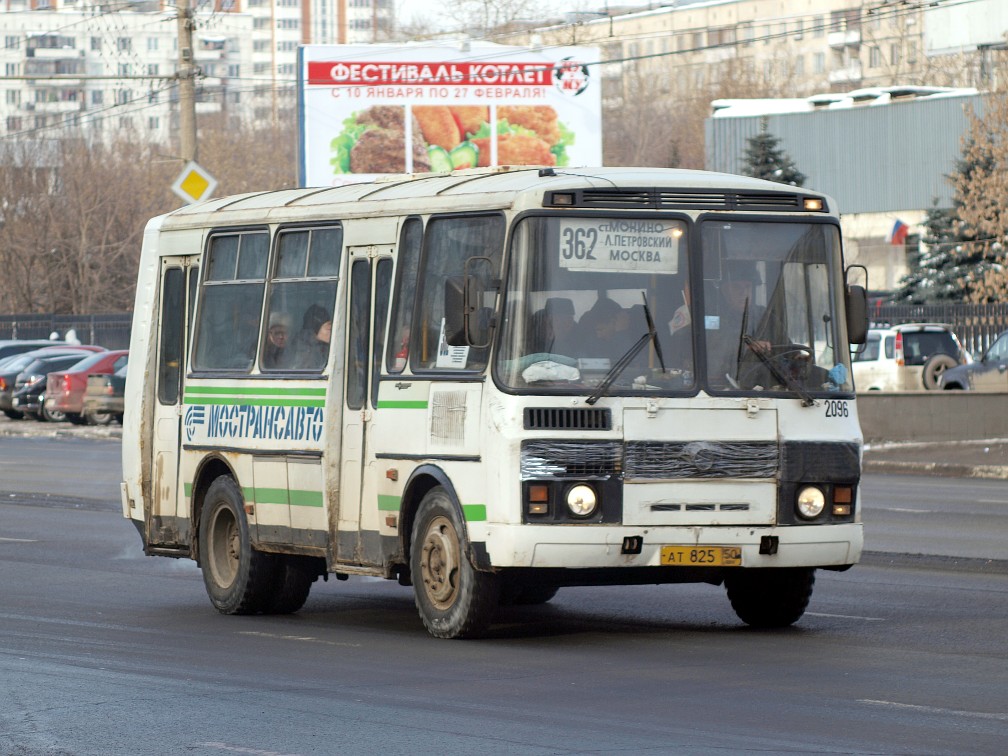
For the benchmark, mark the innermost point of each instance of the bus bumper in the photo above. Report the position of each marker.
(627, 547)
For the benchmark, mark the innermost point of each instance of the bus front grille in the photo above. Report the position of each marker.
(700, 459)
(570, 459)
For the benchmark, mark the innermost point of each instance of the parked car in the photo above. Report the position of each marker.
(103, 398)
(9, 347)
(30, 384)
(989, 373)
(11, 367)
(907, 357)
(64, 392)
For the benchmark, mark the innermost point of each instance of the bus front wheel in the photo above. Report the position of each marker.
(237, 578)
(454, 599)
(769, 598)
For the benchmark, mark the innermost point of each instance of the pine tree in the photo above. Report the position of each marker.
(765, 160)
(953, 263)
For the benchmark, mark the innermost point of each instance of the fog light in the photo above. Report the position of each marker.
(811, 502)
(813, 204)
(581, 501)
(841, 510)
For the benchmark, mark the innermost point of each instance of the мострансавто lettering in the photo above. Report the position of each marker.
(268, 423)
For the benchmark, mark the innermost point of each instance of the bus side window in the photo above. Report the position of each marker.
(450, 242)
(228, 329)
(383, 282)
(302, 295)
(357, 343)
(405, 292)
(170, 358)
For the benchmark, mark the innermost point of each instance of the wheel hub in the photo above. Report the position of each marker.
(439, 563)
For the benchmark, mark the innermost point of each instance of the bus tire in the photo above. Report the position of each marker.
(292, 584)
(516, 594)
(768, 598)
(238, 579)
(454, 599)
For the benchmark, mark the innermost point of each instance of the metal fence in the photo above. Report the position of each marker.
(976, 325)
(111, 331)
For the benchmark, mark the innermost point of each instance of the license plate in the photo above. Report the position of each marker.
(702, 556)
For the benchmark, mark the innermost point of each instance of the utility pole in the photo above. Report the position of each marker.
(187, 82)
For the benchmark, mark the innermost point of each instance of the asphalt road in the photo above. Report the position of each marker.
(103, 650)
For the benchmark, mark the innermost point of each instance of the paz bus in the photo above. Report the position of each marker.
(495, 383)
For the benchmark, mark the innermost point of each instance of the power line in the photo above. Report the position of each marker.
(881, 11)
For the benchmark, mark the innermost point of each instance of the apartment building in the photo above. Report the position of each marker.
(111, 66)
(766, 48)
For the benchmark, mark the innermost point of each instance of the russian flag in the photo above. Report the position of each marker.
(899, 232)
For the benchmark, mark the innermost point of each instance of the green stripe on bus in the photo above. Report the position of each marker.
(269, 495)
(283, 496)
(474, 512)
(254, 402)
(254, 391)
(187, 487)
(306, 499)
(402, 405)
(389, 503)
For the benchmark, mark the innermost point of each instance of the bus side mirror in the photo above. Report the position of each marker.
(856, 301)
(467, 320)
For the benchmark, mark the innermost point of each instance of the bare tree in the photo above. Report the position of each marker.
(72, 212)
(250, 157)
(983, 193)
(27, 175)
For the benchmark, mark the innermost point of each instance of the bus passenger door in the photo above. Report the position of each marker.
(367, 306)
(168, 520)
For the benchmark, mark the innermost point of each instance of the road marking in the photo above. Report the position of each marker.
(906, 510)
(992, 501)
(936, 710)
(18, 540)
(243, 749)
(845, 616)
(306, 638)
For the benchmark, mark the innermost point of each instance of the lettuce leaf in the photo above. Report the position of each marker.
(560, 148)
(344, 142)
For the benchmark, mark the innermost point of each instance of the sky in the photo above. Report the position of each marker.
(437, 10)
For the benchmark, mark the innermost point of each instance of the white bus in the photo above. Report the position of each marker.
(491, 384)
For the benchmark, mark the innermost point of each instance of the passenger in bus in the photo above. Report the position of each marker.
(311, 345)
(561, 326)
(726, 347)
(275, 354)
(603, 331)
(552, 329)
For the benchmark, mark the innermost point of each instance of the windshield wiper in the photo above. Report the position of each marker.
(780, 375)
(621, 364)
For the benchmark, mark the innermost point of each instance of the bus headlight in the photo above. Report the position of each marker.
(810, 503)
(581, 501)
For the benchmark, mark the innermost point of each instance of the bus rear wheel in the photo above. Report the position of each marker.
(292, 584)
(768, 598)
(238, 579)
(453, 598)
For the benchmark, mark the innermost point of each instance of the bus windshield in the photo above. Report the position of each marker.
(606, 302)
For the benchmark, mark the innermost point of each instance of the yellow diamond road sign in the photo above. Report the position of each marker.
(194, 184)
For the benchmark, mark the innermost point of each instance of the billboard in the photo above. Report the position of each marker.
(367, 110)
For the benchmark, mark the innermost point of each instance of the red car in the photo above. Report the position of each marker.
(65, 390)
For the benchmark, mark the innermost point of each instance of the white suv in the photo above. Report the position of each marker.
(907, 357)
